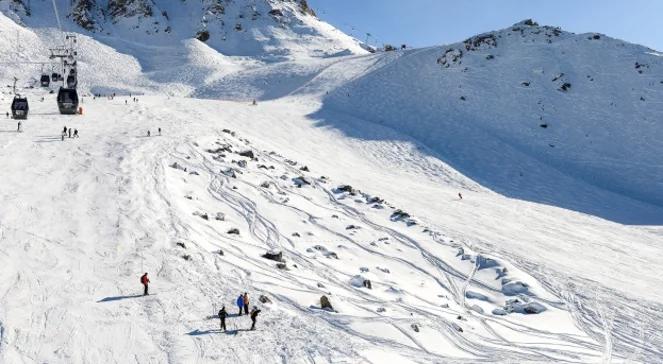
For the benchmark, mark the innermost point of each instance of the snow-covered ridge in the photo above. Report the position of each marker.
(272, 29)
(572, 120)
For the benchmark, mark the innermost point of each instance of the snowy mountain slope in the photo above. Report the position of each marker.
(172, 62)
(99, 209)
(81, 219)
(269, 29)
(593, 148)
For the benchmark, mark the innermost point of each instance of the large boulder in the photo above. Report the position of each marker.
(359, 281)
(344, 189)
(247, 154)
(399, 215)
(301, 181)
(515, 288)
(483, 262)
(275, 256)
(325, 304)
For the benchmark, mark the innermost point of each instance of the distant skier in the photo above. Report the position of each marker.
(159, 131)
(148, 133)
(254, 316)
(7, 114)
(64, 131)
(145, 282)
(222, 317)
(240, 303)
(75, 133)
(18, 129)
(63, 135)
(69, 132)
(246, 303)
(255, 102)
(460, 196)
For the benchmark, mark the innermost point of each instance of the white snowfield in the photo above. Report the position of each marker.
(351, 167)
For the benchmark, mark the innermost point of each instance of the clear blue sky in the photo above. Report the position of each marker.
(432, 22)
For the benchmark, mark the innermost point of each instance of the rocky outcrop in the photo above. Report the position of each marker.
(130, 8)
(82, 13)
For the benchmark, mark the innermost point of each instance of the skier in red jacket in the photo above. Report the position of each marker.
(145, 281)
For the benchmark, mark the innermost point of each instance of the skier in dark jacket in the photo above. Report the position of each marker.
(222, 317)
(240, 303)
(145, 282)
(254, 315)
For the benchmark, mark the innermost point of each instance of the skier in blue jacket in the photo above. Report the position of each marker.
(240, 303)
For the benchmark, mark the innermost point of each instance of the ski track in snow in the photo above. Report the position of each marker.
(86, 216)
(80, 220)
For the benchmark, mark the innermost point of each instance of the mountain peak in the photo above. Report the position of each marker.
(274, 29)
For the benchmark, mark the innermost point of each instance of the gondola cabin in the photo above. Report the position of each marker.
(68, 101)
(45, 80)
(20, 107)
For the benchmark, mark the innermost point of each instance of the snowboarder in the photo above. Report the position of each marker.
(144, 281)
(460, 196)
(75, 133)
(254, 315)
(246, 303)
(240, 303)
(222, 317)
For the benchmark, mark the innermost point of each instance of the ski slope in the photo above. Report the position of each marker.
(81, 218)
(571, 231)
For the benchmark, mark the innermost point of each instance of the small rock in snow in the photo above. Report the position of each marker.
(275, 256)
(247, 154)
(301, 181)
(325, 304)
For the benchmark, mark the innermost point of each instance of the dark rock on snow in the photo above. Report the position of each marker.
(277, 257)
(325, 304)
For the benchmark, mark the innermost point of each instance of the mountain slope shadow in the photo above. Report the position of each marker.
(504, 169)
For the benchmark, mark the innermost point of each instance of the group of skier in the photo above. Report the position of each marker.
(66, 131)
(242, 304)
